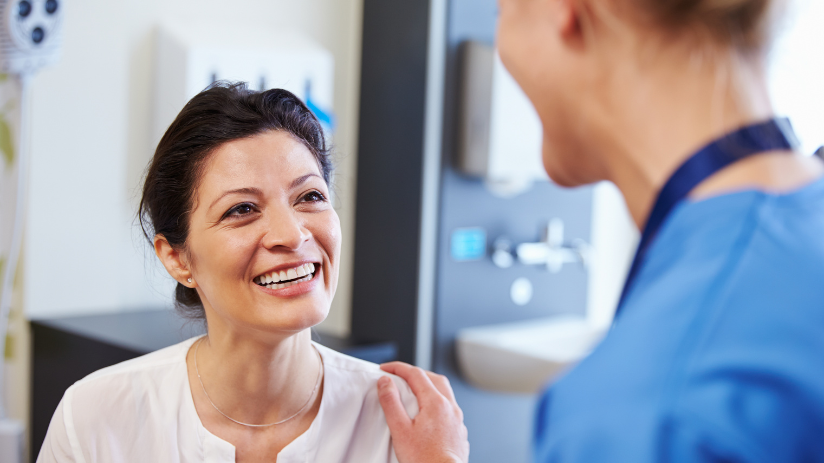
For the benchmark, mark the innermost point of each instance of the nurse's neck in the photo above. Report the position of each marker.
(665, 110)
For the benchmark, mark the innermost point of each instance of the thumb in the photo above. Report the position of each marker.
(393, 408)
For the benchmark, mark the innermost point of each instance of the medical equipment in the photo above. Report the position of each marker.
(30, 38)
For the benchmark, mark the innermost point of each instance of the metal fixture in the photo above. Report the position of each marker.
(502, 253)
(551, 251)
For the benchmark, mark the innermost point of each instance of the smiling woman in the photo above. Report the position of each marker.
(236, 205)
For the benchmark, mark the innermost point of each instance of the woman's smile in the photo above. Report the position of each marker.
(290, 280)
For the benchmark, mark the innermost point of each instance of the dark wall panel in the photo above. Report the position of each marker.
(390, 148)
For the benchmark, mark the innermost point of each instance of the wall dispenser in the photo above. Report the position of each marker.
(500, 133)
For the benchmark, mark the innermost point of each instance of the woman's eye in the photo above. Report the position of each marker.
(240, 210)
(313, 197)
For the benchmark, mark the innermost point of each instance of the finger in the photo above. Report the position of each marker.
(392, 367)
(393, 408)
(406, 371)
(441, 383)
(417, 379)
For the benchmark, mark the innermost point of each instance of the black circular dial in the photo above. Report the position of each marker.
(38, 34)
(24, 8)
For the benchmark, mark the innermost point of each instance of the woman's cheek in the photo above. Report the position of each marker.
(237, 251)
(330, 240)
(332, 234)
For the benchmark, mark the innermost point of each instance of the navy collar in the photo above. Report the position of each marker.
(772, 135)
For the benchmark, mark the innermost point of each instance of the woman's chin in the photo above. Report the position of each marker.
(293, 320)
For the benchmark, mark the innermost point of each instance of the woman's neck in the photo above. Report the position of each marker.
(257, 381)
(667, 110)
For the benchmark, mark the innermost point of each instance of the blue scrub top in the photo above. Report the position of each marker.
(718, 354)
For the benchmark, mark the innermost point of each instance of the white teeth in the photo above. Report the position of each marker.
(289, 283)
(298, 274)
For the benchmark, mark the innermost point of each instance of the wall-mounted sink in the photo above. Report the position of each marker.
(523, 357)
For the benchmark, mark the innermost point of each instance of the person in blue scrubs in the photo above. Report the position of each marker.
(717, 350)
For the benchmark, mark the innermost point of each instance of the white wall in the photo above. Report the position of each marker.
(797, 71)
(614, 240)
(91, 125)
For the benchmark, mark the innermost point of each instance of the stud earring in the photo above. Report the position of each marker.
(189, 280)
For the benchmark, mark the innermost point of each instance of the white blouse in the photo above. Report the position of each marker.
(142, 411)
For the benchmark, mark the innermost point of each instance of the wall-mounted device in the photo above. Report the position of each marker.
(31, 35)
(190, 57)
(500, 134)
(30, 38)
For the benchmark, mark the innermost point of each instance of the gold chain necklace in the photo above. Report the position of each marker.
(308, 401)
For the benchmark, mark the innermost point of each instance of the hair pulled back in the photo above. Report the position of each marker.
(742, 24)
(225, 111)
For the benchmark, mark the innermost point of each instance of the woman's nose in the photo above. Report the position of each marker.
(285, 229)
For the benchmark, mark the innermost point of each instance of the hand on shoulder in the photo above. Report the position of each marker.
(437, 434)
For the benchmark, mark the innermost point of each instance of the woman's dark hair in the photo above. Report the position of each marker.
(225, 111)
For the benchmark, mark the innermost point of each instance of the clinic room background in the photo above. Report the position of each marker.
(459, 255)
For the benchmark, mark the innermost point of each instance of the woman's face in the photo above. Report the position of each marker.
(264, 240)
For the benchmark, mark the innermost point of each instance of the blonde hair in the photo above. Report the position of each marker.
(743, 24)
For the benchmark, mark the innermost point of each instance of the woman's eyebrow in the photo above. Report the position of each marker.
(245, 191)
(298, 181)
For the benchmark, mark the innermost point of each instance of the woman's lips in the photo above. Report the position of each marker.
(286, 275)
(301, 285)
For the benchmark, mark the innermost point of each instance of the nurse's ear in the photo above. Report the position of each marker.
(174, 260)
(577, 21)
(566, 16)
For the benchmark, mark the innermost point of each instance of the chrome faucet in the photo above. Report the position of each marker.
(551, 251)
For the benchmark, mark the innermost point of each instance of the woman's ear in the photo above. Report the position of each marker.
(174, 261)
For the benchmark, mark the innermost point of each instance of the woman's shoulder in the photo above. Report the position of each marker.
(339, 361)
(351, 421)
(103, 411)
(143, 379)
(361, 377)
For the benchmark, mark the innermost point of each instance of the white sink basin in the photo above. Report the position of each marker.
(524, 357)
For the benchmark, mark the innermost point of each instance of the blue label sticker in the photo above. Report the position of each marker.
(468, 244)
